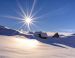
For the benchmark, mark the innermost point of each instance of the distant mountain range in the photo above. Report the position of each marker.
(7, 31)
(10, 32)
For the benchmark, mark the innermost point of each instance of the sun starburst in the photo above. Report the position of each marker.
(28, 16)
(28, 21)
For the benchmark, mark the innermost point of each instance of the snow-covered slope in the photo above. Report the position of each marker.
(29, 46)
(12, 47)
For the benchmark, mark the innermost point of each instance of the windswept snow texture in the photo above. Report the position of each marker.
(51, 48)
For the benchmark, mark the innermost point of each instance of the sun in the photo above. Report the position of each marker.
(28, 20)
(27, 17)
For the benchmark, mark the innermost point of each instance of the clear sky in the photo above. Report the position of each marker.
(56, 15)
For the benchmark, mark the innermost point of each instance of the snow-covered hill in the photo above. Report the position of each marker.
(30, 46)
(14, 47)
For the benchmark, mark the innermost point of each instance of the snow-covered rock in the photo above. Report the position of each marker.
(44, 35)
(56, 35)
(37, 33)
(41, 35)
(30, 32)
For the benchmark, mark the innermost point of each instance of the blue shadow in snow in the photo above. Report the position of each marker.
(67, 41)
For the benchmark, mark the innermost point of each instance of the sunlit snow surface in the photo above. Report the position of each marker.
(10, 48)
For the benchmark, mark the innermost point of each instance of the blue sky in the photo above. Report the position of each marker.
(57, 15)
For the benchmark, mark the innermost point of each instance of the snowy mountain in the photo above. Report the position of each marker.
(7, 31)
